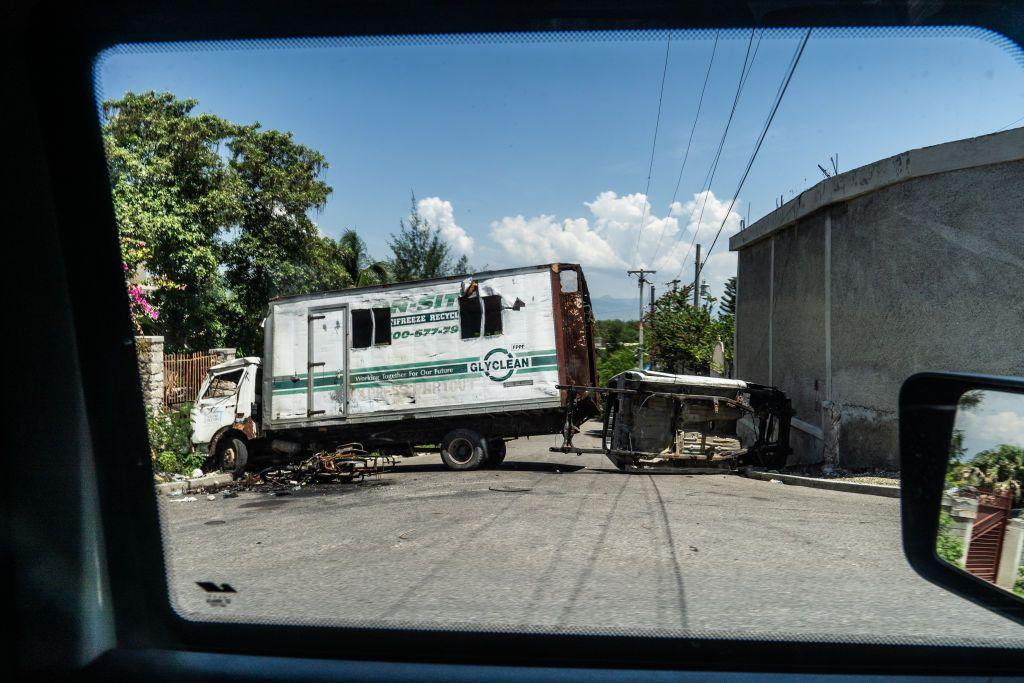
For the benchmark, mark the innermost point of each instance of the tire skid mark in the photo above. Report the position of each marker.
(467, 538)
(556, 559)
(672, 554)
(588, 567)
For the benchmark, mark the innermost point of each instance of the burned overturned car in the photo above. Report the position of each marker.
(655, 421)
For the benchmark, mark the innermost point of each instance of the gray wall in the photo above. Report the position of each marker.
(926, 274)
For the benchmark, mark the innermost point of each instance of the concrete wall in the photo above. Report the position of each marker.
(840, 304)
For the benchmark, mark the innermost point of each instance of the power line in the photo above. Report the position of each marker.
(710, 177)
(654, 144)
(686, 154)
(1010, 124)
(757, 147)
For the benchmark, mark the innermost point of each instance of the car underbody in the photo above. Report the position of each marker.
(660, 422)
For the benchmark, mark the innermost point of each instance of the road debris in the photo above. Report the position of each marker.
(187, 499)
(211, 497)
(346, 463)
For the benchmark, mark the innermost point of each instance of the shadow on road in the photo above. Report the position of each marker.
(549, 467)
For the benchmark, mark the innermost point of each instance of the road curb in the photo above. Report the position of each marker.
(827, 484)
(171, 488)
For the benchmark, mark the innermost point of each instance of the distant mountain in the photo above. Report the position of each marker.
(610, 308)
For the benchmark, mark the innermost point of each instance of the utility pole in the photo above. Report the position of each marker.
(696, 279)
(675, 284)
(641, 281)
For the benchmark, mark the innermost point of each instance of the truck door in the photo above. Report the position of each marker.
(327, 376)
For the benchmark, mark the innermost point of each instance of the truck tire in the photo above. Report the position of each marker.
(232, 456)
(463, 449)
(496, 451)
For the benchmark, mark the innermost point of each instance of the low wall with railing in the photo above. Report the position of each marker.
(172, 379)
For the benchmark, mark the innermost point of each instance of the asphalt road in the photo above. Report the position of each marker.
(565, 543)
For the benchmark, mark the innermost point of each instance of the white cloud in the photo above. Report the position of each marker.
(542, 239)
(607, 238)
(440, 214)
(992, 427)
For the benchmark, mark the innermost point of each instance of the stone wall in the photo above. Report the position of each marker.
(222, 355)
(150, 352)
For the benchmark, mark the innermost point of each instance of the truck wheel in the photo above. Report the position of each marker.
(463, 449)
(496, 451)
(232, 456)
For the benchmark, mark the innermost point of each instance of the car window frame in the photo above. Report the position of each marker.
(65, 102)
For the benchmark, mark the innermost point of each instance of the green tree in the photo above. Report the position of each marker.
(462, 266)
(614, 333)
(969, 401)
(728, 305)
(173, 194)
(359, 267)
(680, 337)
(948, 547)
(419, 252)
(999, 469)
(278, 246)
(611, 364)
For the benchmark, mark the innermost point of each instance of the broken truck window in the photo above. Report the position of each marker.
(470, 317)
(382, 326)
(492, 315)
(225, 384)
(362, 328)
(569, 281)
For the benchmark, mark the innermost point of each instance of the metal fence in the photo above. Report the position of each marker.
(183, 375)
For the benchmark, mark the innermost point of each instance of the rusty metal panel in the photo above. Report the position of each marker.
(556, 314)
(987, 534)
(574, 330)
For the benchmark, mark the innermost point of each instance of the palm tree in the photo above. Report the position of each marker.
(357, 264)
(999, 469)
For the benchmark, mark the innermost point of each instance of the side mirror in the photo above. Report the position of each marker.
(962, 485)
(518, 304)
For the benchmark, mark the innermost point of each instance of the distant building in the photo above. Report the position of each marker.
(909, 264)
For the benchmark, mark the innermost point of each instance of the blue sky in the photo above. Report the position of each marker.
(538, 150)
(999, 419)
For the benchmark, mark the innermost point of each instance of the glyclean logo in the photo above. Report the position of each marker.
(499, 364)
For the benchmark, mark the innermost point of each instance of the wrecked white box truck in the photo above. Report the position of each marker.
(465, 362)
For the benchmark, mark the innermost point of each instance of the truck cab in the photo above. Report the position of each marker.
(225, 416)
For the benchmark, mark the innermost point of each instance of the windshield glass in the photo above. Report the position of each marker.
(574, 332)
(223, 384)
